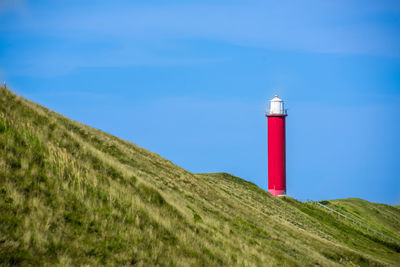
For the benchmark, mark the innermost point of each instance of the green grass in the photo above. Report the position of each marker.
(73, 195)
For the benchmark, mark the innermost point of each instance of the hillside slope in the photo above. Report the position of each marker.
(73, 195)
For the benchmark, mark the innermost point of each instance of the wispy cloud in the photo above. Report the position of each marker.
(129, 34)
(314, 26)
(19, 6)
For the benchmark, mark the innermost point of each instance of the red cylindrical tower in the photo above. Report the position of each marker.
(276, 147)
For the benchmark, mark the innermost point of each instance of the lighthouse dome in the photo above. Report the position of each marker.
(276, 106)
(276, 99)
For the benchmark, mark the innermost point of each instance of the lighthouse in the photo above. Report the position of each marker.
(276, 115)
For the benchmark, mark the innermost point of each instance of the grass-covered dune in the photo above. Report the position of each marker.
(73, 195)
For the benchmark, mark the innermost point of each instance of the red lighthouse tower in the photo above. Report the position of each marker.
(276, 147)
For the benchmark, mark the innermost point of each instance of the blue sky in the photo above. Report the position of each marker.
(190, 80)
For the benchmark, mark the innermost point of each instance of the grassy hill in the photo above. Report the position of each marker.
(73, 195)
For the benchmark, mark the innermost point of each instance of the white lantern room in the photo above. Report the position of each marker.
(276, 106)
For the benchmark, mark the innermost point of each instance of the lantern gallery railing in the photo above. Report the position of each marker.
(269, 113)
